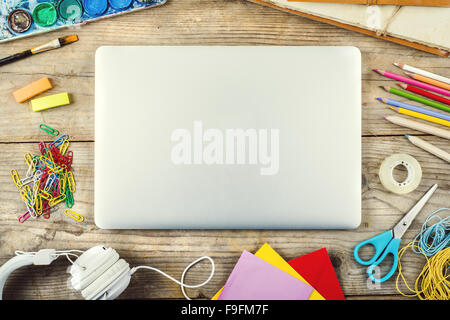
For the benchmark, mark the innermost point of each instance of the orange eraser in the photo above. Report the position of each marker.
(32, 89)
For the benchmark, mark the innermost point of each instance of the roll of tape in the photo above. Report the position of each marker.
(386, 173)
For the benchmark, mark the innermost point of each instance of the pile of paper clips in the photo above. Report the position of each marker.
(49, 180)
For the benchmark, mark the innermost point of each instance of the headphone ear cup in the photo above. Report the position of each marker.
(110, 279)
(117, 287)
(92, 264)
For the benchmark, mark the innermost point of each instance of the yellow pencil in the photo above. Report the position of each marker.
(421, 116)
(433, 82)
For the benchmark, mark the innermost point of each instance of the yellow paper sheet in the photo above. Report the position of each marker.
(271, 256)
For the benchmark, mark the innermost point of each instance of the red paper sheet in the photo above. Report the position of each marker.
(317, 269)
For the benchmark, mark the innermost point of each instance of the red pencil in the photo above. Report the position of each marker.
(424, 93)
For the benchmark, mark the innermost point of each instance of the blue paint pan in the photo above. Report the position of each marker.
(120, 4)
(95, 8)
(16, 20)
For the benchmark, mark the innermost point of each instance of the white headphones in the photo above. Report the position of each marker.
(98, 273)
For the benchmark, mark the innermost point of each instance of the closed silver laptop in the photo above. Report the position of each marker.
(227, 137)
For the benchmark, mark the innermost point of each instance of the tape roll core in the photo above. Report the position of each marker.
(411, 182)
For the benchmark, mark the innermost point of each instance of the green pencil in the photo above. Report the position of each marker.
(417, 98)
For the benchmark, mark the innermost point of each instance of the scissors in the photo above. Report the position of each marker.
(389, 242)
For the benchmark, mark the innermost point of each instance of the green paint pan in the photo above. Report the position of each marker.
(44, 14)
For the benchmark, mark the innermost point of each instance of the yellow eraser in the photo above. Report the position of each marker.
(32, 89)
(48, 102)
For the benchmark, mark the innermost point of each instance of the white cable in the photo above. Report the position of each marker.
(23, 253)
(57, 254)
(182, 284)
(67, 256)
(68, 253)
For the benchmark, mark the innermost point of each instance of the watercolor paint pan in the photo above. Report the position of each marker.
(24, 18)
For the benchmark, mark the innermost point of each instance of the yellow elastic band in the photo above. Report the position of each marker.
(433, 282)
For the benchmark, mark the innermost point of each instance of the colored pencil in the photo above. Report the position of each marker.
(407, 106)
(428, 74)
(417, 98)
(424, 93)
(413, 82)
(419, 126)
(54, 44)
(433, 82)
(419, 115)
(429, 147)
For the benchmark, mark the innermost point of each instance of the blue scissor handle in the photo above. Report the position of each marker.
(392, 248)
(380, 242)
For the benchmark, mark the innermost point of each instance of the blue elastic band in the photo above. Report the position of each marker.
(436, 237)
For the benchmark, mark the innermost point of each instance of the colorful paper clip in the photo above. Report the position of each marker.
(64, 146)
(75, 216)
(69, 198)
(62, 182)
(39, 206)
(50, 155)
(31, 169)
(45, 195)
(24, 217)
(31, 211)
(35, 193)
(28, 158)
(16, 178)
(71, 181)
(49, 183)
(26, 180)
(42, 148)
(49, 178)
(24, 194)
(37, 175)
(49, 130)
(54, 201)
(57, 142)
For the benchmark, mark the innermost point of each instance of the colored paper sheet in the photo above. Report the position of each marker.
(255, 279)
(317, 269)
(271, 256)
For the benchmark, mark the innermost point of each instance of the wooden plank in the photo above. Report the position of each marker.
(172, 250)
(196, 22)
(193, 22)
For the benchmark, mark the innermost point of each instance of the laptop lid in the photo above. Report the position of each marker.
(196, 137)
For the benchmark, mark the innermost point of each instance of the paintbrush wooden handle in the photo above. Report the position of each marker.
(15, 57)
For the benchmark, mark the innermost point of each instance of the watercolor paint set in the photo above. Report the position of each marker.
(22, 18)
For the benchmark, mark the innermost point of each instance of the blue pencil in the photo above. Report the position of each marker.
(403, 105)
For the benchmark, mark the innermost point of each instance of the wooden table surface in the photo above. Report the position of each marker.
(197, 22)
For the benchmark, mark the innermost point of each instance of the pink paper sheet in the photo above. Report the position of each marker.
(255, 279)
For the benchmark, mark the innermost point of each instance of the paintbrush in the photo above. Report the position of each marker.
(54, 44)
